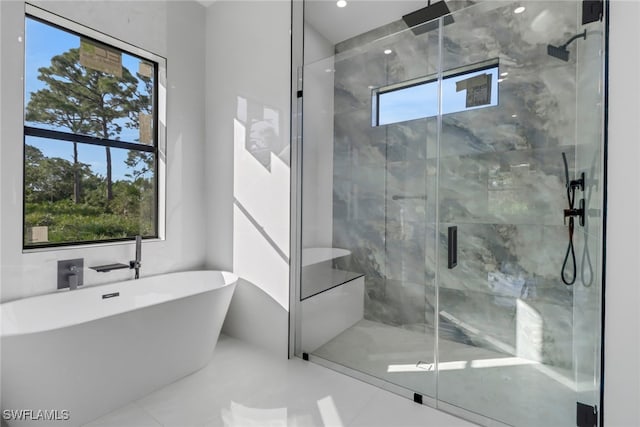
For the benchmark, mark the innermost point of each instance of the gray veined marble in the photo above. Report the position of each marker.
(497, 174)
(501, 181)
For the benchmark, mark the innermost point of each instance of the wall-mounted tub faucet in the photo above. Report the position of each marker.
(134, 264)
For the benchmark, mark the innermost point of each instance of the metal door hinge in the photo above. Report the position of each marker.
(592, 11)
(586, 415)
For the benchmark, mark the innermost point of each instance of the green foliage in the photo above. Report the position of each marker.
(131, 212)
(69, 222)
(82, 100)
(85, 101)
(50, 179)
(140, 162)
(67, 197)
(49, 202)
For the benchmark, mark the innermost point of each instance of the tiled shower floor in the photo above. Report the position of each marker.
(244, 386)
(496, 385)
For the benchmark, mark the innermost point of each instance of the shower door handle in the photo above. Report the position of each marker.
(452, 247)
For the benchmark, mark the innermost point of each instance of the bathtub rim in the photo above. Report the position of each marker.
(13, 330)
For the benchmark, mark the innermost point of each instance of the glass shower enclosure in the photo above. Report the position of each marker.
(450, 187)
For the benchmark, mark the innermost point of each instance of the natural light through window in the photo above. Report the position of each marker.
(461, 364)
(416, 99)
(90, 138)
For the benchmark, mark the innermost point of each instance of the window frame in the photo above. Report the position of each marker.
(158, 148)
(425, 80)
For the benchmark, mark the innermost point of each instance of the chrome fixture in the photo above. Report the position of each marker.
(73, 277)
(109, 267)
(406, 197)
(134, 264)
(70, 273)
(572, 186)
(561, 52)
(424, 20)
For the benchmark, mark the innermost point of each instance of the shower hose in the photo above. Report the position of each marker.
(571, 196)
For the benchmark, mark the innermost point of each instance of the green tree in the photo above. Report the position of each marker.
(47, 179)
(33, 174)
(141, 162)
(53, 106)
(52, 179)
(84, 100)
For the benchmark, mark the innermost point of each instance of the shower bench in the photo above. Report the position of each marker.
(332, 299)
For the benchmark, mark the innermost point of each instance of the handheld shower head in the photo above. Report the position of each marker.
(561, 52)
(566, 169)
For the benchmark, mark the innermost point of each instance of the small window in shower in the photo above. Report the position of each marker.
(463, 89)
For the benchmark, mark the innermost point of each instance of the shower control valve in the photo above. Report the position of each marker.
(575, 212)
(577, 183)
(70, 273)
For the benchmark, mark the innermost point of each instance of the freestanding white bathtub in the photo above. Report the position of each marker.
(80, 354)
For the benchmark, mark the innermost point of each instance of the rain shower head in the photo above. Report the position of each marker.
(561, 52)
(420, 20)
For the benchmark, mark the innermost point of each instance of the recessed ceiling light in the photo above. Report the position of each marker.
(519, 9)
(387, 51)
(514, 115)
(505, 74)
(341, 3)
(500, 80)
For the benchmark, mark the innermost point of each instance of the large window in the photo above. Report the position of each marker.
(90, 137)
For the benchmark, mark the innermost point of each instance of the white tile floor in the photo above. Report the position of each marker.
(373, 347)
(244, 386)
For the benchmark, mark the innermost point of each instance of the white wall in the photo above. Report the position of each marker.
(174, 30)
(247, 192)
(622, 322)
(247, 55)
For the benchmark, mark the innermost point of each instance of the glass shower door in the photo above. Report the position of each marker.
(516, 344)
(368, 179)
(435, 167)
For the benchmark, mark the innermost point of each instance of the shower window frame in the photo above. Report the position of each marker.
(434, 79)
(156, 146)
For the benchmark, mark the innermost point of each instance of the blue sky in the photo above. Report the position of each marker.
(43, 42)
(420, 101)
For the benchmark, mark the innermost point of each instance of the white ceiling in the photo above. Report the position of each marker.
(359, 16)
(206, 3)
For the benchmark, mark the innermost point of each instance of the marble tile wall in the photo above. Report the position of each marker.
(501, 181)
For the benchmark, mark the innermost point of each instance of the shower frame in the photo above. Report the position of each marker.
(297, 77)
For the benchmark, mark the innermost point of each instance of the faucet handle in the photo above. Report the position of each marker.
(70, 273)
(73, 281)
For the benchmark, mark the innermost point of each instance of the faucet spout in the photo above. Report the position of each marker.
(136, 263)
